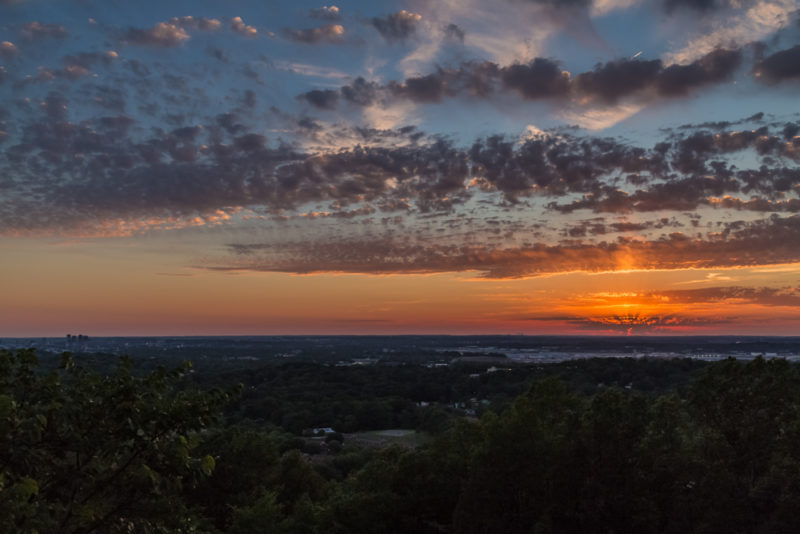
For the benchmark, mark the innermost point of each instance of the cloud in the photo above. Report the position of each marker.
(95, 171)
(542, 78)
(78, 173)
(397, 26)
(330, 33)
(36, 30)
(736, 28)
(764, 296)
(715, 67)
(8, 50)
(171, 33)
(603, 7)
(163, 34)
(454, 32)
(79, 65)
(563, 4)
(767, 242)
(238, 26)
(695, 5)
(331, 13)
(360, 92)
(321, 98)
(618, 79)
(196, 23)
(780, 66)
(638, 323)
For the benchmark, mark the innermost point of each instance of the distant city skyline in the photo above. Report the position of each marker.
(602, 167)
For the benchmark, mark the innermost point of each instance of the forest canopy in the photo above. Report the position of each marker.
(132, 451)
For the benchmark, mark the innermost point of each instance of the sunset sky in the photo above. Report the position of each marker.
(431, 166)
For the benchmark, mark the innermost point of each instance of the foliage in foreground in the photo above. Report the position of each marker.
(82, 453)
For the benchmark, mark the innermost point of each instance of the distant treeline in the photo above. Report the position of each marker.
(296, 395)
(601, 446)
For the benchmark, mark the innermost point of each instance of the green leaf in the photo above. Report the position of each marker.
(207, 465)
(7, 405)
(26, 487)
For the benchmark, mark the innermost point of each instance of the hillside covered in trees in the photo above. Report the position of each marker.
(595, 446)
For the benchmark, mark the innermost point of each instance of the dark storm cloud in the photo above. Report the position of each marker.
(330, 33)
(36, 30)
(396, 26)
(770, 241)
(780, 66)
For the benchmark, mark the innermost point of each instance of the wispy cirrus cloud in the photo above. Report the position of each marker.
(732, 27)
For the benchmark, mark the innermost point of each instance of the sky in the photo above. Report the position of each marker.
(607, 167)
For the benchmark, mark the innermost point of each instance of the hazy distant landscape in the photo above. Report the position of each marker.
(371, 350)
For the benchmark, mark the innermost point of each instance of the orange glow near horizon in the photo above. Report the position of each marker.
(125, 292)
